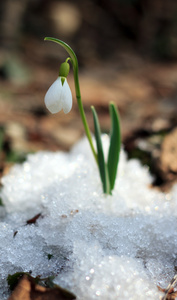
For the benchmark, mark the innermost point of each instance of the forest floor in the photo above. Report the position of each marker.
(145, 93)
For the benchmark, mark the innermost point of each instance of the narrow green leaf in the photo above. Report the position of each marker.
(101, 161)
(1, 139)
(115, 145)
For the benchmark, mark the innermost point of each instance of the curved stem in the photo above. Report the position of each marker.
(77, 89)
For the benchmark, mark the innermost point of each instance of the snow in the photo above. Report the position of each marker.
(103, 247)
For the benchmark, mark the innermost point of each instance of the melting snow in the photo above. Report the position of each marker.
(103, 247)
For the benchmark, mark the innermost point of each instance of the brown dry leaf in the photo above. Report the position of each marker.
(28, 290)
(22, 290)
(33, 220)
(168, 155)
(169, 295)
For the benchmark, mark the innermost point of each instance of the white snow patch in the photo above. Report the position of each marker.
(104, 247)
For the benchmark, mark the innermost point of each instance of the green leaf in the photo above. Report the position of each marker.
(115, 145)
(1, 203)
(101, 161)
(49, 256)
(1, 139)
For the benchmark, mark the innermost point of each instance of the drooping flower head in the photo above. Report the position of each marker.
(59, 95)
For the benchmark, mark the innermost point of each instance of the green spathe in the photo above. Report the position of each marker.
(64, 69)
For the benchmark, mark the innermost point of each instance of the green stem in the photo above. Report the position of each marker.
(77, 89)
(81, 109)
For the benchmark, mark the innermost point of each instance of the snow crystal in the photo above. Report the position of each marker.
(101, 247)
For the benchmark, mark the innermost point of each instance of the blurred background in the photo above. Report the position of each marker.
(127, 53)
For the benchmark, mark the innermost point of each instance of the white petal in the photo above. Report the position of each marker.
(66, 98)
(53, 97)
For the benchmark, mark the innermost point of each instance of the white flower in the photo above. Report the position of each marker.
(59, 97)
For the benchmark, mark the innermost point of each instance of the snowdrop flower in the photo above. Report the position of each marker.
(59, 96)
